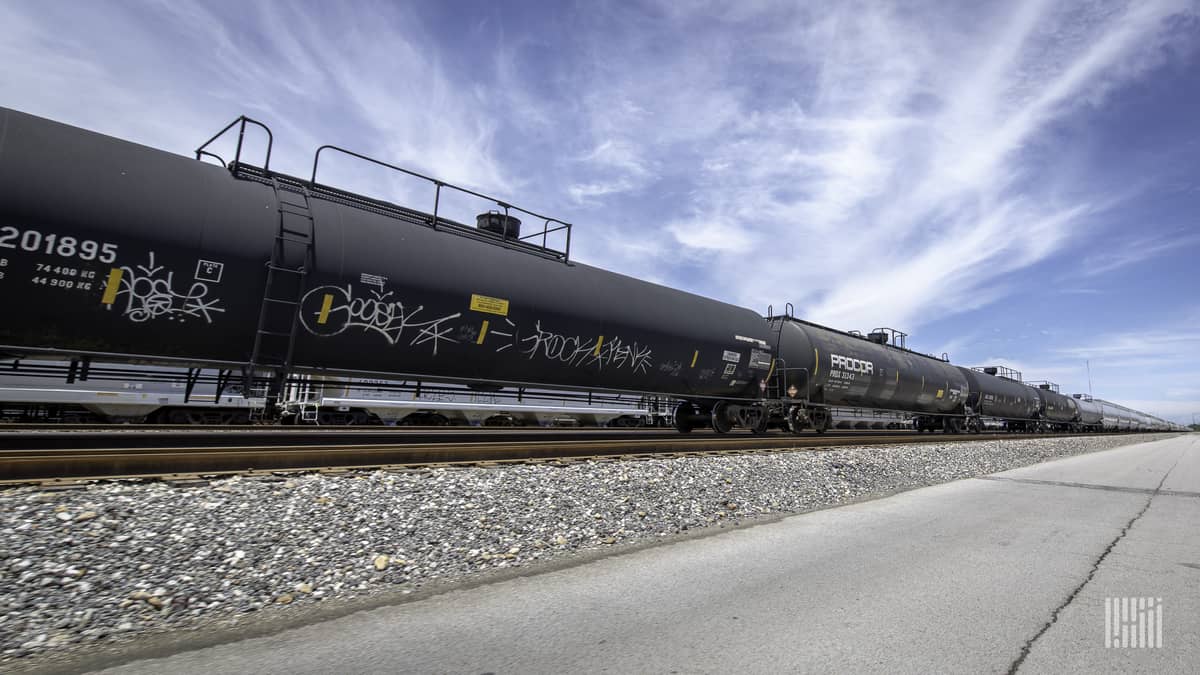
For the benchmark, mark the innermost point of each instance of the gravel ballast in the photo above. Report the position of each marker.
(105, 564)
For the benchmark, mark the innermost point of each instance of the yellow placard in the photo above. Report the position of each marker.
(940, 393)
(483, 303)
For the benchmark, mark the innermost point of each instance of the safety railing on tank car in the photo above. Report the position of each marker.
(547, 228)
(789, 312)
(783, 372)
(777, 380)
(241, 123)
(549, 225)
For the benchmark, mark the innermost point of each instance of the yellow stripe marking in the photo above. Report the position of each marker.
(114, 285)
(599, 341)
(695, 355)
(817, 360)
(482, 332)
(772, 370)
(326, 305)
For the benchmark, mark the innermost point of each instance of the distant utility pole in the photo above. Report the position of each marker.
(1089, 369)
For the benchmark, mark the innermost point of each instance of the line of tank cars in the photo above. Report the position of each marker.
(38, 391)
(113, 252)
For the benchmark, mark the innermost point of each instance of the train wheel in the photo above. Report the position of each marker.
(759, 427)
(821, 420)
(720, 418)
(796, 420)
(683, 417)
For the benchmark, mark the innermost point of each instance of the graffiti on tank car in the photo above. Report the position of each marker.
(466, 333)
(509, 339)
(149, 293)
(372, 280)
(557, 347)
(615, 352)
(333, 310)
(578, 350)
(671, 367)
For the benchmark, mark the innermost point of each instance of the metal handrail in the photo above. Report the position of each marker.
(439, 184)
(807, 381)
(549, 226)
(214, 155)
(789, 311)
(237, 158)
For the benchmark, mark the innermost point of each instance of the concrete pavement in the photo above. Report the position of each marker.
(996, 574)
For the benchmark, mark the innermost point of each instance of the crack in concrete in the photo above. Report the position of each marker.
(1092, 486)
(1028, 646)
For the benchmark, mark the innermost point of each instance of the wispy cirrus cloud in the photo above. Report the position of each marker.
(873, 165)
(165, 73)
(1132, 251)
(1165, 349)
(615, 167)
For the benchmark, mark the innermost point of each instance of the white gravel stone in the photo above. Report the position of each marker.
(159, 558)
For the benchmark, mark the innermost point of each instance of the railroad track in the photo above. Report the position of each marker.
(66, 457)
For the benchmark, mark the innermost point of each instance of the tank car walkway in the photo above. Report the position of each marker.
(987, 575)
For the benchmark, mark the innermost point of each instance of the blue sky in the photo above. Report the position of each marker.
(1013, 183)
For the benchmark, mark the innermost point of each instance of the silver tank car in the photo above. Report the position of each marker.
(1110, 420)
(1091, 414)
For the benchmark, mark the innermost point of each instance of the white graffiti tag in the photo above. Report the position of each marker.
(149, 292)
(586, 351)
(331, 310)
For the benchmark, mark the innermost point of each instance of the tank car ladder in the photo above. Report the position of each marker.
(308, 401)
(259, 412)
(287, 270)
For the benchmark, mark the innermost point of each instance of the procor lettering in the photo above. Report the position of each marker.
(854, 365)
